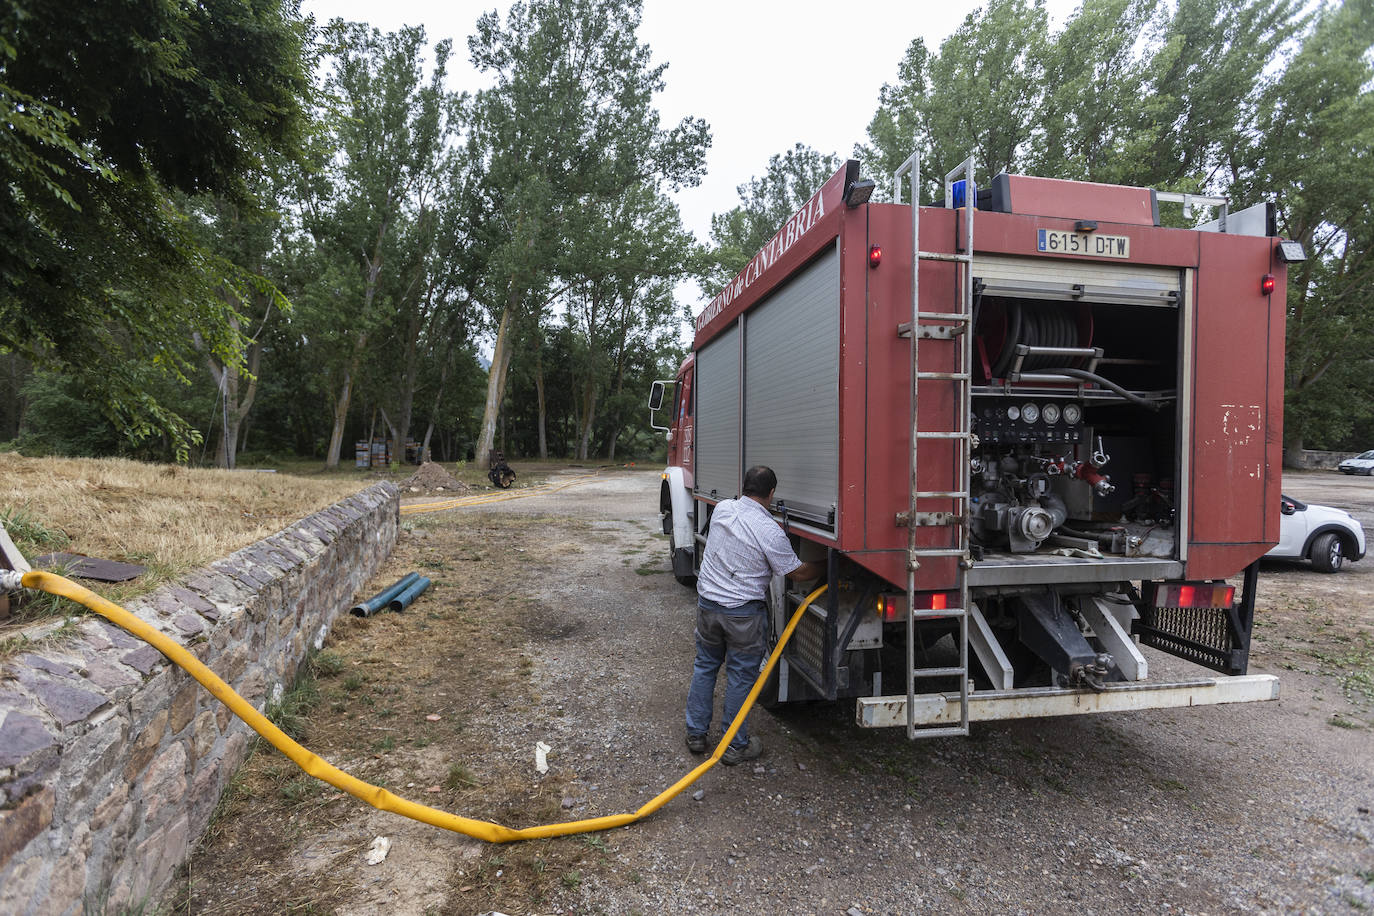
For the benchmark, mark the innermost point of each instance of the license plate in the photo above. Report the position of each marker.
(1057, 241)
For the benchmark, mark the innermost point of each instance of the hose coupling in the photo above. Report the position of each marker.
(11, 580)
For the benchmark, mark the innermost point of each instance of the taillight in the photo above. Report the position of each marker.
(1267, 284)
(875, 256)
(893, 607)
(1195, 594)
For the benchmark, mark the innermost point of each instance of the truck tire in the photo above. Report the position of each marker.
(1327, 553)
(686, 580)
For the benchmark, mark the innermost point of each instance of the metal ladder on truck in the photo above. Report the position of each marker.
(956, 328)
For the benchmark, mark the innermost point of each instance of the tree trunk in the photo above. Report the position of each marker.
(396, 443)
(539, 393)
(588, 418)
(374, 268)
(438, 400)
(341, 403)
(410, 370)
(496, 386)
(235, 411)
(1292, 450)
(620, 357)
(331, 458)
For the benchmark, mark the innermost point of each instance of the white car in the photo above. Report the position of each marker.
(1326, 536)
(1362, 463)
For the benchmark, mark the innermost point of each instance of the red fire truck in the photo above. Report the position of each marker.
(1030, 431)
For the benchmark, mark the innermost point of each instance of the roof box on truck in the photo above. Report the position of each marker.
(1056, 197)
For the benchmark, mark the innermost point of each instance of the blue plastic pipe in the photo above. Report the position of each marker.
(382, 598)
(414, 590)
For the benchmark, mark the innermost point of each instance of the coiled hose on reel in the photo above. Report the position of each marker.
(1047, 326)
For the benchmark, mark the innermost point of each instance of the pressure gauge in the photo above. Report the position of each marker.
(1029, 412)
(1013, 413)
(1072, 414)
(1050, 413)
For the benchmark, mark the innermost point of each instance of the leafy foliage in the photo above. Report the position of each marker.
(202, 242)
(765, 204)
(567, 131)
(1248, 99)
(99, 102)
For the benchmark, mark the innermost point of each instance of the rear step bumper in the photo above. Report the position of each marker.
(1034, 702)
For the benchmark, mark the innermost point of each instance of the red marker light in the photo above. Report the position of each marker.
(1267, 284)
(875, 256)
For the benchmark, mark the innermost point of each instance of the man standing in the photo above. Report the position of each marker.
(744, 551)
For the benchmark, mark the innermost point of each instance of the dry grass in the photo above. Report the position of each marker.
(174, 516)
(170, 519)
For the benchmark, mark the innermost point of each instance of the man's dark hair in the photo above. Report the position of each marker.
(760, 481)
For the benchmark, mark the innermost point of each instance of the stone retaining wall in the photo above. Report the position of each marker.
(112, 760)
(1310, 459)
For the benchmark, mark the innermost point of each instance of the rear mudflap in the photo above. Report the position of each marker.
(1213, 637)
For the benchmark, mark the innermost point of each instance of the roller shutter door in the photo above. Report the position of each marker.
(792, 397)
(717, 425)
(1084, 281)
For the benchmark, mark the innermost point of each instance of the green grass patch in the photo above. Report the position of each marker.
(30, 533)
(1352, 664)
(291, 711)
(459, 776)
(302, 789)
(325, 664)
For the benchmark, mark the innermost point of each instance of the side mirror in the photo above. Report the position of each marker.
(1287, 508)
(656, 396)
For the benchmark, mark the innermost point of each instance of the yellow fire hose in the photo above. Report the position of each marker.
(376, 796)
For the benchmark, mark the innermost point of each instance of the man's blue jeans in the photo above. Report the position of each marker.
(735, 637)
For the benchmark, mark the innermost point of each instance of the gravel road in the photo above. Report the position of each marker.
(580, 638)
(1255, 808)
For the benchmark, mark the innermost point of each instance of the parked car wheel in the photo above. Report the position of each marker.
(1328, 537)
(1327, 555)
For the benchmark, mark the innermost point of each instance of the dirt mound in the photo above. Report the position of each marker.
(431, 478)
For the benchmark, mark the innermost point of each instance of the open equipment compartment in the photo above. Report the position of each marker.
(1076, 416)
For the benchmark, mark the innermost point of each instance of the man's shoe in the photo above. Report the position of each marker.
(735, 755)
(696, 743)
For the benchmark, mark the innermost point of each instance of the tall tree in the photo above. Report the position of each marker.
(765, 204)
(370, 206)
(1092, 121)
(246, 239)
(1128, 91)
(97, 102)
(569, 123)
(1314, 152)
(623, 260)
(980, 94)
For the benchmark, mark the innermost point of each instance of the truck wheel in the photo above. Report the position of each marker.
(686, 580)
(1327, 554)
(768, 696)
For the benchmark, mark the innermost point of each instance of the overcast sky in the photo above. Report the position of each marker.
(764, 75)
